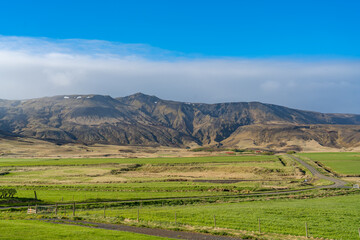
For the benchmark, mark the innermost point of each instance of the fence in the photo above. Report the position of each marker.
(170, 216)
(74, 210)
(42, 209)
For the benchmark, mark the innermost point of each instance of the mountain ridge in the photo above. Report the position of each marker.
(141, 119)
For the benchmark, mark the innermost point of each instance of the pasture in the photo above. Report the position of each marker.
(89, 180)
(343, 163)
(332, 217)
(154, 187)
(29, 230)
(10, 162)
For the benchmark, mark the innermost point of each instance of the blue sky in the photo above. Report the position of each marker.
(205, 27)
(300, 54)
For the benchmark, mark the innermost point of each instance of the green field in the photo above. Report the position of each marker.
(332, 217)
(30, 229)
(341, 163)
(224, 178)
(89, 180)
(53, 194)
(7, 162)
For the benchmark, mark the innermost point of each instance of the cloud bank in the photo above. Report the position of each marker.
(37, 67)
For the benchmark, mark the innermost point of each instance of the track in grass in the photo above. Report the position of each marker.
(341, 163)
(163, 233)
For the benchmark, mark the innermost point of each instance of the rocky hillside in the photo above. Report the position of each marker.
(147, 120)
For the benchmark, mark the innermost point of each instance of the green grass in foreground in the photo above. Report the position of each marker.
(333, 217)
(88, 161)
(30, 229)
(342, 163)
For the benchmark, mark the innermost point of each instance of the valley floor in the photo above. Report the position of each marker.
(217, 195)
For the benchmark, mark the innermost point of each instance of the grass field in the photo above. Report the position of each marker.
(121, 173)
(96, 180)
(341, 163)
(8, 162)
(30, 229)
(80, 180)
(60, 194)
(332, 217)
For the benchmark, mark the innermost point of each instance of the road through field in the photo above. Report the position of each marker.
(198, 236)
(337, 182)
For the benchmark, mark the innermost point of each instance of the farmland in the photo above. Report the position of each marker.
(96, 161)
(27, 230)
(332, 217)
(196, 189)
(68, 180)
(341, 163)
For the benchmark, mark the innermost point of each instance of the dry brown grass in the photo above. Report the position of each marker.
(105, 173)
(33, 148)
(352, 179)
(240, 171)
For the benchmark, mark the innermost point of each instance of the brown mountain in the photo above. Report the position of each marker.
(140, 119)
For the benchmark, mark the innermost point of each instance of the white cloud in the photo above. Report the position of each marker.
(36, 67)
(270, 86)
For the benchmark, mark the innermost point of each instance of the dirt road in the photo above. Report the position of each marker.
(337, 182)
(142, 230)
(197, 236)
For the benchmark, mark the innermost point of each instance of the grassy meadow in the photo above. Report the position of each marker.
(29, 230)
(343, 163)
(82, 180)
(95, 180)
(10, 162)
(332, 217)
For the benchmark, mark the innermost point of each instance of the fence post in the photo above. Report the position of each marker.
(175, 218)
(259, 226)
(56, 209)
(104, 211)
(35, 195)
(36, 209)
(138, 214)
(74, 209)
(214, 221)
(306, 230)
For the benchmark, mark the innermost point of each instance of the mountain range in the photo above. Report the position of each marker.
(141, 119)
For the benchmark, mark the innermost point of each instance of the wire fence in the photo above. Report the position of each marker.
(165, 216)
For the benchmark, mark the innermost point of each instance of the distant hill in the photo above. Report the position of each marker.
(141, 119)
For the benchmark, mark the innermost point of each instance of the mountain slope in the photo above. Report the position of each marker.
(212, 123)
(140, 119)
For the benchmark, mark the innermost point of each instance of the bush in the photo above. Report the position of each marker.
(7, 192)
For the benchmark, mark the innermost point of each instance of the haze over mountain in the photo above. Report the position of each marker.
(141, 119)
